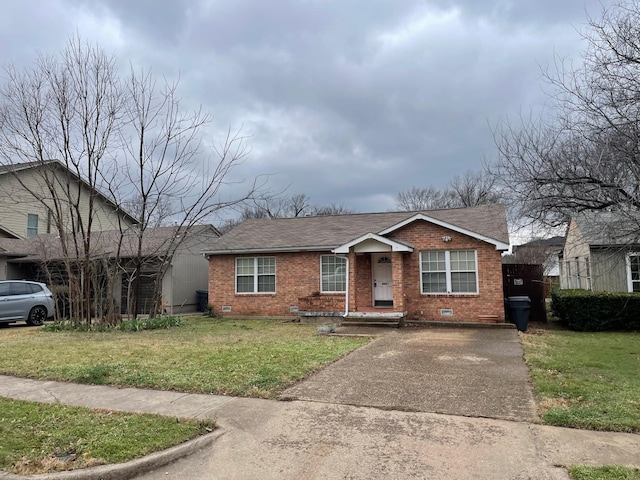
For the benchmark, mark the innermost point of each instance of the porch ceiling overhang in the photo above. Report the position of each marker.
(372, 242)
(8, 233)
(420, 216)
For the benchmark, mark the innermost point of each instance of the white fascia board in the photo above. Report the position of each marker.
(395, 246)
(419, 216)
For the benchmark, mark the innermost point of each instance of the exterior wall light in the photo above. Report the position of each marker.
(446, 239)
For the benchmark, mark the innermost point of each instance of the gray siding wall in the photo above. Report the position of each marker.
(189, 272)
(576, 271)
(609, 270)
(17, 200)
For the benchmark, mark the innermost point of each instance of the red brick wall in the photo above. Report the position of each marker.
(298, 276)
(465, 307)
(363, 281)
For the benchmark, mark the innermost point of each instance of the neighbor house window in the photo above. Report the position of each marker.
(333, 273)
(633, 272)
(32, 225)
(449, 271)
(256, 275)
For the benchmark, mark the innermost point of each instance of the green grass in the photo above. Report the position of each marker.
(586, 380)
(256, 358)
(607, 472)
(38, 438)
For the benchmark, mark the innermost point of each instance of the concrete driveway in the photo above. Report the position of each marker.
(458, 371)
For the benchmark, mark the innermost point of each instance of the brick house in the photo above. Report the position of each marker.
(439, 265)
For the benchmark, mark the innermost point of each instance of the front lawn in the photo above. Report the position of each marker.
(586, 380)
(256, 358)
(37, 438)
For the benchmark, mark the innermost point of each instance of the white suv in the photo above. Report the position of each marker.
(22, 300)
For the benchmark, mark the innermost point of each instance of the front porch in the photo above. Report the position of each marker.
(368, 319)
(373, 293)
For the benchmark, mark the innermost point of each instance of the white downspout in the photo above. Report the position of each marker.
(346, 292)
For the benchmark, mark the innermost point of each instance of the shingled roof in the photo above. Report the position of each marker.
(330, 231)
(156, 241)
(607, 229)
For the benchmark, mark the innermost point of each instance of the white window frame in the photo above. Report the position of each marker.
(256, 276)
(344, 263)
(448, 271)
(630, 280)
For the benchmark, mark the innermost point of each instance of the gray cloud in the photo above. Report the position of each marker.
(346, 101)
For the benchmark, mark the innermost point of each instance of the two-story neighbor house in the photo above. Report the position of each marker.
(28, 208)
(30, 238)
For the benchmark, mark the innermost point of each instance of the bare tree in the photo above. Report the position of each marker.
(331, 209)
(269, 205)
(275, 206)
(467, 190)
(172, 178)
(424, 198)
(64, 107)
(474, 188)
(538, 251)
(127, 140)
(585, 155)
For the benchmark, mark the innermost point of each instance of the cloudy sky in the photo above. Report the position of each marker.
(346, 101)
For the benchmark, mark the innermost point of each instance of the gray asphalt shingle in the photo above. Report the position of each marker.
(330, 231)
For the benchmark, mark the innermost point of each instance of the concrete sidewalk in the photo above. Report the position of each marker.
(305, 440)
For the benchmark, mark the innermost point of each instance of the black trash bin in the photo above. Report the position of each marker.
(519, 308)
(202, 297)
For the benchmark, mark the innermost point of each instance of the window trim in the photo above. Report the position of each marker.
(256, 276)
(448, 272)
(344, 262)
(630, 280)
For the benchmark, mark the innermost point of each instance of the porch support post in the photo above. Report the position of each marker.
(353, 292)
(397, 273)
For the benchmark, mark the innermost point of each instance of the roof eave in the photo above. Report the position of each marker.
(242, 251)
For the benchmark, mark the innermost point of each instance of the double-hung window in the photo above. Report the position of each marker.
(32, 225)
(256, 275)
(333, 274)
(633, 272)
(449, 271)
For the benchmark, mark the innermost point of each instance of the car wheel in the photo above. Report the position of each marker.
(37, 316)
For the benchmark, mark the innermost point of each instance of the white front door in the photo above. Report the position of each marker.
(382, 280)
